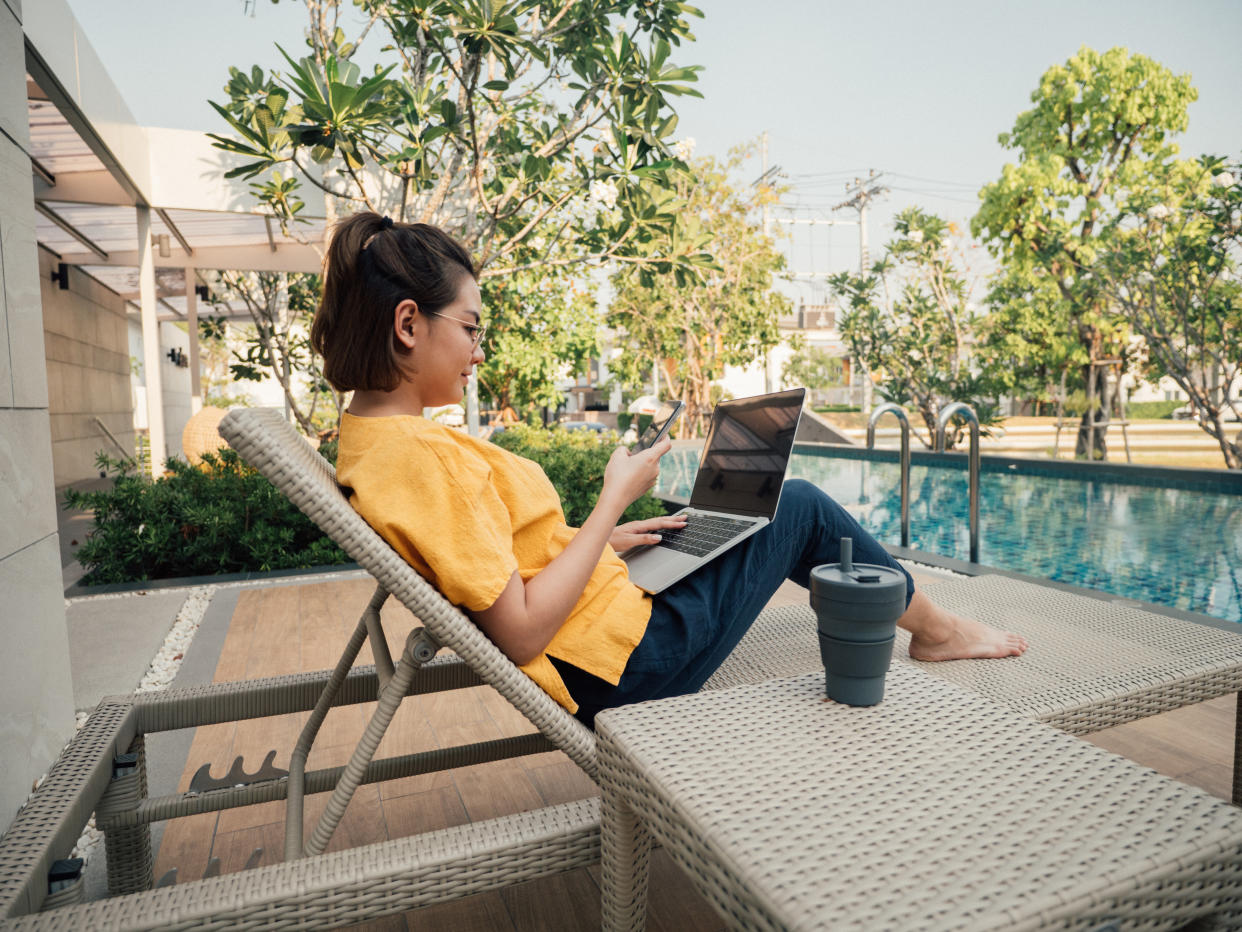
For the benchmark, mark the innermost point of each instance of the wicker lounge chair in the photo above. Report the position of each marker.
(103, 769)
(268, 442)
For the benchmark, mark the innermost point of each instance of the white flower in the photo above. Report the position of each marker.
(1158, 211)
(604, 193)
(684, 148)
(915, 236)
(1224, 180)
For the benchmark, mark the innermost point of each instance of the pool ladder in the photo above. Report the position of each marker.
(946, 414)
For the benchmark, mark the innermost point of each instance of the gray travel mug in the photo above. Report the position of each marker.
(858, 605)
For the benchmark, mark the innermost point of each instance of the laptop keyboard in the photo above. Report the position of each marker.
(703, 534)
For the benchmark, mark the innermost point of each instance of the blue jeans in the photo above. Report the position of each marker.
(696, 623)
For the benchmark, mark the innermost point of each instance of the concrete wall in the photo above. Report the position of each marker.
(36, 696)
(87, 347)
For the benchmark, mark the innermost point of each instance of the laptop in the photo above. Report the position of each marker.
(736, 491)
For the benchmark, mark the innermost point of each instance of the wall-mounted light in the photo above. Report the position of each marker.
(177, 357)
(60, 274)
(161, 242)
(202, 292)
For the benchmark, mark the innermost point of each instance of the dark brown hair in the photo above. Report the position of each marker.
(373, 264)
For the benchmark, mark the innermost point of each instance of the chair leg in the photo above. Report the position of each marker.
(297, 761)
(130, 869)
(625, 847)
(1237, 754)
(419, 648)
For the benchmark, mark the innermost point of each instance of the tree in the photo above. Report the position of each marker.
(494, 119)
(1024, 347)
(281, 306)
(539, 132)
(909, 318)
(1098, 128)
(1171, 268)
(727, 318)
(547, 324)
(813, 367)
(215, 355)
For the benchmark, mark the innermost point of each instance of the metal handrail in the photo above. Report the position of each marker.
(900, 412)
(107, 433)
(946, 414)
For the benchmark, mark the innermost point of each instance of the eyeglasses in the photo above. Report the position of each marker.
(476, 331)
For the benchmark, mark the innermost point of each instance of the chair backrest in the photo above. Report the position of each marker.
(269, 443)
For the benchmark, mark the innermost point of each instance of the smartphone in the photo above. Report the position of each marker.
(660, 425)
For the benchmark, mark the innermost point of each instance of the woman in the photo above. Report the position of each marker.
(400, 325)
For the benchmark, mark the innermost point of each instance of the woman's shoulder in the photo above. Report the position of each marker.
(403, 440)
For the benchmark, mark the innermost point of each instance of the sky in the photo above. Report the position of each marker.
(918, 90)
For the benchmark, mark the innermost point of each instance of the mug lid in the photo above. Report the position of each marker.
(865, 582)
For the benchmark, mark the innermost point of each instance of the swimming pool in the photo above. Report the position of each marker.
(1119, 533)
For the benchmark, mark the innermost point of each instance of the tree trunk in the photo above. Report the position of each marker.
(1093, 428)
(1232, 452)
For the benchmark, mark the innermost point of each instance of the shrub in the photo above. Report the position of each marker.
(575, 461)
(1076, 404)
(640, 421)
(220, 517)
(1143, 409)
(836, 409)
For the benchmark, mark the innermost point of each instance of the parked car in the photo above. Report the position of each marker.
(1187, 413)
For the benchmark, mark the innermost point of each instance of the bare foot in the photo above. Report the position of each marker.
(968, 640)
(937, 634)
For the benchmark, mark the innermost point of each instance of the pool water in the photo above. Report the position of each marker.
(1170, 546)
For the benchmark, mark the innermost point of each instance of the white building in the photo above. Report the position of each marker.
(106, 229)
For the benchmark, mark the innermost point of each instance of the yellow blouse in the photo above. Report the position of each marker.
(466, 514)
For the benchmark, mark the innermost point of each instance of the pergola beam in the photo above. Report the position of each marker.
(172, 228)
(75, 233)
(292, 257)
(41, 171)
(45, 77)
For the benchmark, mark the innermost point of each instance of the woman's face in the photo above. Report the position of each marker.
(446, 354)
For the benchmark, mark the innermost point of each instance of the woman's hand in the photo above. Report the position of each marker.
(629, 475)
(643, 533)
(527, 614)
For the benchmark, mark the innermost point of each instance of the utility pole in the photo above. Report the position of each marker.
(764, 181)
(763, 178)
(858, 195)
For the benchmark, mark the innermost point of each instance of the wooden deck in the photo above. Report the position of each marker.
(289, 629)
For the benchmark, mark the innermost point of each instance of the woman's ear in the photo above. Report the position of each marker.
(404, 316)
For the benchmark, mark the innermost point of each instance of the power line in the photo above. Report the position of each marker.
(935, 194)
(953, 184)
(841, 171)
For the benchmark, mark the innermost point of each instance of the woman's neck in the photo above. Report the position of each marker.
(370, 403)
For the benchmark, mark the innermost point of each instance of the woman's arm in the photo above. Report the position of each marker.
(526, 615)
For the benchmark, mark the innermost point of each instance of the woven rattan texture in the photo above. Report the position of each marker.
(1092, 663)
(933, 810)
(47, 827)
(355, 885)
(269, 443)
(128, 847)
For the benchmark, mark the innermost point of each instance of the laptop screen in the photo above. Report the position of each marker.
(746, 452)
